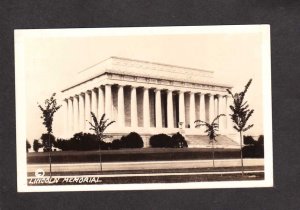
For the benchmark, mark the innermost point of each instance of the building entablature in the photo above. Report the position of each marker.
(150, 83)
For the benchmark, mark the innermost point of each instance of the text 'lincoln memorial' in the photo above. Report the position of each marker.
(145, 97)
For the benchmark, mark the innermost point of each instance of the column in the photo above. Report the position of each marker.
(216, 106)
(181, 109)
(202, 111)
(65, 107)
(146, 108)
(192, 110)
(221, 111)
(70, 116)
(211, 108)
(108, 101)
(94, 102)
(87, 110)
(133, 109)
(121, 114)
(81, 112)
(75, 106)
(100, 102)
(228, 118)
(202, 107)
(158, 114)
(170, 109)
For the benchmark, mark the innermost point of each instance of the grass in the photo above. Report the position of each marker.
(143, 154)
(151, 171)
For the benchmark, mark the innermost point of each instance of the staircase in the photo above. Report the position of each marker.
(201, 141)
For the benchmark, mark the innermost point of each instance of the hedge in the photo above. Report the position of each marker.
(165, 141)
(86, 141)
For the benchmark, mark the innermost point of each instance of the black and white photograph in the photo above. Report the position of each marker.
(183, 107)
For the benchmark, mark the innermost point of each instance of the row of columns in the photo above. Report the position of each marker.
(78, 108)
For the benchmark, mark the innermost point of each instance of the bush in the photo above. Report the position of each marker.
(252, 151)
(116, 144)
(28, 145)
(132, 140)
(80, 142)
(260, 140)
(46, 143)
(86, 141)
(248, 140)
(165, 141)
(178, 141)
(160, 140)
(37, 145)
(255, 149)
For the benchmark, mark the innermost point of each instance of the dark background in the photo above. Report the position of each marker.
(284, 18)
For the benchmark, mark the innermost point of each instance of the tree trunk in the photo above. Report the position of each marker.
(213, 149)
(49, 155)
(100, 159)
(241, 144)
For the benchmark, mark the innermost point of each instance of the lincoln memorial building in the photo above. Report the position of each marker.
(147, 98)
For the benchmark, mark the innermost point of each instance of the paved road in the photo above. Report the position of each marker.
(146, 165)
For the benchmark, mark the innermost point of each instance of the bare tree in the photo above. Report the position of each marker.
(240, 115)
(99, 128)
(211, 130)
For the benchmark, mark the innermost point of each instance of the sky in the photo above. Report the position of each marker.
(53, 58)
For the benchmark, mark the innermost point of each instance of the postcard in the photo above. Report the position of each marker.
(143, 108)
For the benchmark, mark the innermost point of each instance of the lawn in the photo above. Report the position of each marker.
(143, 154)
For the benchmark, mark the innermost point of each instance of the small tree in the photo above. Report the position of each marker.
(240, 115)
(47, 115)
(99, 128)
(28, 145)
(211, 130)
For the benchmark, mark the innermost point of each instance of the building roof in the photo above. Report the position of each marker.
(131, 67)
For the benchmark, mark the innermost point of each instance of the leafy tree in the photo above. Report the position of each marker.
(240, 115)
(99, 128)
(28, 146)
(211, 130)
(47, 115)
(37, 145)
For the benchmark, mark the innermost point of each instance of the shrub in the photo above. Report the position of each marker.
(178, 141)
(28, 145)
(132, 140)
(260, 140)
(79, 141)
(256, 149)
(86, 141)
(165, 141)
(248, 140)
(45, 141)
(160, 140)
(252, 151)
(105, 145)
(116, 144)
(36, 145)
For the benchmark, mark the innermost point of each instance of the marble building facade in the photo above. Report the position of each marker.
(145, 97)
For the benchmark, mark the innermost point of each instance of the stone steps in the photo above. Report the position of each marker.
(199, 141)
